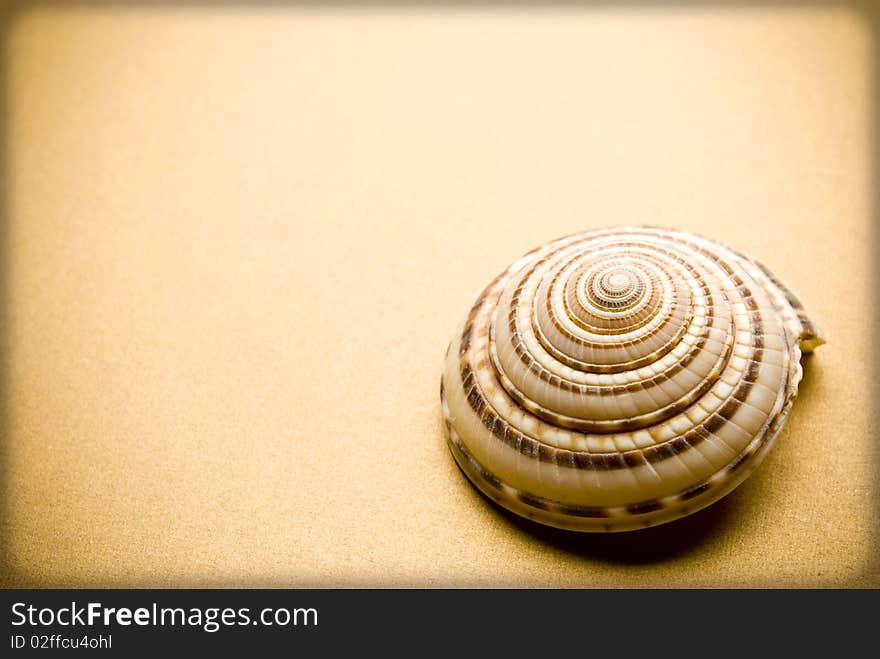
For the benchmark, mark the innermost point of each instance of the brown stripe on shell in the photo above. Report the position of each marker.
(694, 490)
(808, 328)
(737, 462)
(789, 295)
(526, 498)
(584, 460)
(644, 507)
(618, 425)
(639, 508)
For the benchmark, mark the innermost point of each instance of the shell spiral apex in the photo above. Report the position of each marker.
(622, 378)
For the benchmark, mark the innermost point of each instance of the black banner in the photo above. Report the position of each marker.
(420, 622)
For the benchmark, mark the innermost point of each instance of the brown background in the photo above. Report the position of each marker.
(239, 240)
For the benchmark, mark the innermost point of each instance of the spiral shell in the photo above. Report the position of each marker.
(622, 378)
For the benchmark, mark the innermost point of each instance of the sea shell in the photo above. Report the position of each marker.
(622, 378)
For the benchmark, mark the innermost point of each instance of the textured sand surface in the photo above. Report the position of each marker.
(239, 241)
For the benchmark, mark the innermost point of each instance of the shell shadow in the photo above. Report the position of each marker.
(807, 384)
